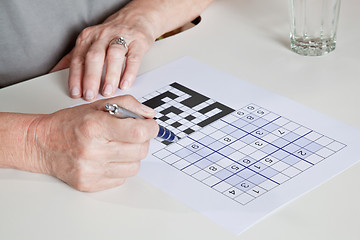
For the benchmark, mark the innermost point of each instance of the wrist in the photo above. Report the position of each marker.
(19, 137)
(36, 159)
(142, 16)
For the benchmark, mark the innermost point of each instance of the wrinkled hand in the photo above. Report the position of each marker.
(94, 49)
(91, 150)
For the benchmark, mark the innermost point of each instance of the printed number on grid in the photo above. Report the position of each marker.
(242, 153)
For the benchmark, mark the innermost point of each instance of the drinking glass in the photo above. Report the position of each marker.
(313, 26)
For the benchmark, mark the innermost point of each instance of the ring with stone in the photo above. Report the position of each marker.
(120, 41)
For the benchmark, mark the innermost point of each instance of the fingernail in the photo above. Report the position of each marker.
(108, 90)
(148, 110)
(75, 91)
(89, 95)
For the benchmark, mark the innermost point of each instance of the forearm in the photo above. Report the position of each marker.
(77, 145)
(18, 141)
(162, 16)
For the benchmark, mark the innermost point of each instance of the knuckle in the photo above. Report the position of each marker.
(134, 168)
(78, 60)
(94, 55)
(80, 40)
(86, 128)
(154, 127)
(120, 182)
(89, 127)
(81, 179)
(134, 58)
(86, 32)
(83, 153)
(144, 149)
(84, 36)
(104, 32)
(115, 54)
(143, 40)
(142, 36)
(139, 132)
(83, 187)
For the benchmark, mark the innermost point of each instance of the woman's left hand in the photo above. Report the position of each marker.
(139, 23)
(96, 48)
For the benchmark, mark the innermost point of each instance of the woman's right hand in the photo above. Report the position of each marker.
(88, 148)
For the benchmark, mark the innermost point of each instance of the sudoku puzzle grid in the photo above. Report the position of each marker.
(242, 154)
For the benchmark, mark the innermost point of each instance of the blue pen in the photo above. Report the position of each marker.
(120, 112)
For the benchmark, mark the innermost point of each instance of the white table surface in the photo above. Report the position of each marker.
(248, 39)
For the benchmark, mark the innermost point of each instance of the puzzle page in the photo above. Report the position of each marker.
(242, 154)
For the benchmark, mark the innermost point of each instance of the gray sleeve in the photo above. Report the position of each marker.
(36, 34)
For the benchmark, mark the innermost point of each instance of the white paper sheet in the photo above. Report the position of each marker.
(266, 151)
(237, 94)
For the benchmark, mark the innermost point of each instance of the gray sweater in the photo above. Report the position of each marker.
(36, 34)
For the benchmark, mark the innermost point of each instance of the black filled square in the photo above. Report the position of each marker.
(176, 124)
(166, 142)
(188, 131)
(190, 117)
(164, 118)
(171, 109)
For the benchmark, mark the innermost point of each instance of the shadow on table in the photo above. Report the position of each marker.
(270, 18)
